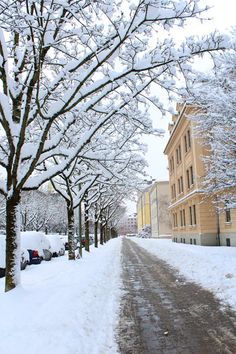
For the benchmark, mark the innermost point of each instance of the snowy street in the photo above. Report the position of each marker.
(162, 313)
(121, 298)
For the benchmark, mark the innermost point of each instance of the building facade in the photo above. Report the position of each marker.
(160, 216)
(128, 225)
(194, 219)
(143, 210)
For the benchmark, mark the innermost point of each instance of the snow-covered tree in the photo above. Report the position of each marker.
(61, 60)
(214, 97)
(42, 211)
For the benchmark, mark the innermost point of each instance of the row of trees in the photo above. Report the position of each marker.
(74, 78)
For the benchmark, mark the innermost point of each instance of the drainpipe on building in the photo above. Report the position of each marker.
(218, 221)
(158, 226)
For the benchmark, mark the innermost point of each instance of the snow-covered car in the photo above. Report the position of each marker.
(24, 256)
(38, 243)
(64, 239)
(57, 245)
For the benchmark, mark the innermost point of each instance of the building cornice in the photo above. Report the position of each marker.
(186, 197)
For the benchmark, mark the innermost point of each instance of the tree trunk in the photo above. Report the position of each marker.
(105, 234)
(101, 234)
(96, 233)
(96, 230)
(71, 232)
(80, 230)
(13, 254)
(86, 226)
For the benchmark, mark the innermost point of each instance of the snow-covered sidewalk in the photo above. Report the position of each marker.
(64, 307)
(214, 268)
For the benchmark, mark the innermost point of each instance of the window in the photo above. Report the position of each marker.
(190, 216)
(191, 175)
(184, 240)
(185, 144)
(228, 242)
(181, 218)
(171, 164)
(181, 184)
(194, 215)
(227, 214)
(188, 180)
(191, 241)
(180, 155)
(175, 220)
(181, 240)
(184, 221)
(194, 241)
(173, 192)
(177, 156)
(189, 138)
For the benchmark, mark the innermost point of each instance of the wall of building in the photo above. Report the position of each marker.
(160, 216)
(143, 210)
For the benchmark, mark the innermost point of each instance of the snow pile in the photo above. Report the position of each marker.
(212, 267)
(64, 306)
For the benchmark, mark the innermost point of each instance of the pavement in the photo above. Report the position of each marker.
(162, 313)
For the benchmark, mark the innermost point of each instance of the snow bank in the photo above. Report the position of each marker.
(212, 267)
(64, 306)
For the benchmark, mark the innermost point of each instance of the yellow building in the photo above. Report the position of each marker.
(194, 219)
(160, 216)
(143, 210)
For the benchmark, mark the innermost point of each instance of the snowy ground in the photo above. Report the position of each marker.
(64, 307)
(214, 268)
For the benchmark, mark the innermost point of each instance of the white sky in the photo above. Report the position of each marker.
(223, 16)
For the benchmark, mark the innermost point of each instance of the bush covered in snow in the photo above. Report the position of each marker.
(145, 232)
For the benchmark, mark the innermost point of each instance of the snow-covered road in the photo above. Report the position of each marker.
(212, 267)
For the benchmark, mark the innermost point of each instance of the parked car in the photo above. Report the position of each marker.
(66, 244)
(56, 245)
(91, 240)
(64, 239)
(34, 257)
(38, 243)
(25, 258)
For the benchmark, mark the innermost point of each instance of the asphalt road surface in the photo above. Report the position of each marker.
(162, 313)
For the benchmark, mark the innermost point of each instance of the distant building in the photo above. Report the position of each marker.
(152, 209)
(160, 216)
(144, 209)
(128, 225)
(194, 219)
